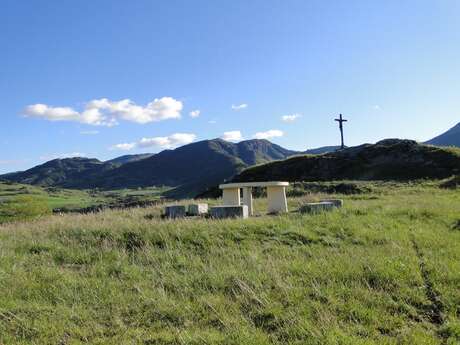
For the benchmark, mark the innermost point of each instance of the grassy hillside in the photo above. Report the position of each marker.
(382, 270)
(390, 159)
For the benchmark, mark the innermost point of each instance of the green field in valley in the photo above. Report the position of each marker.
(21, 201)
(385, 269)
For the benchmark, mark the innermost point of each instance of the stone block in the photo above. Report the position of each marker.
(317, 207)
(229, 212)
(197, 209)
(337, 202)
(176, 211)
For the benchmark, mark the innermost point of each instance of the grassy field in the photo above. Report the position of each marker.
(20, 201)
(385, 269)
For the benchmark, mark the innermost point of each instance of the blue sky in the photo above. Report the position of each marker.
(101, 77)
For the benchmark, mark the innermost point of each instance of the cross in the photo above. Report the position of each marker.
(341, 120)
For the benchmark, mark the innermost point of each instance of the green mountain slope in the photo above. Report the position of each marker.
(129, 158)
(191, 168)
(68, 172)
(390, 159)
(449, 138)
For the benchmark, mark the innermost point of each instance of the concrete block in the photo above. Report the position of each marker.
(176, 211)
(337, 202)
(317, 207)
(229, 211)
(197, 209)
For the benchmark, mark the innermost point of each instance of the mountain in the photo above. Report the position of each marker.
(190, 169)
(67, 172)
(321, 150)
(193, 168)
(129, 158)
(391, 159)
(449, 138)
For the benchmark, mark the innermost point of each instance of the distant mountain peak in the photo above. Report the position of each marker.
(449, 138)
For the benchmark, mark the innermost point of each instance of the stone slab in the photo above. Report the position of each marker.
(176, 211)
(337, 202)
(220, 212)
(197, 209)
(317, 207)
(254, 184)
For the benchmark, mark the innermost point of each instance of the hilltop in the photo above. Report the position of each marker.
(391, 159)
(67, 173)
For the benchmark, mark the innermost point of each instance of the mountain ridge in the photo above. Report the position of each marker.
(449, 138)
(189, 169)
(129, 158)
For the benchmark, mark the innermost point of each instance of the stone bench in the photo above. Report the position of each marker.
(337, 202)
(176, 211)
(197, 209)
(317, 207)
(220, 212)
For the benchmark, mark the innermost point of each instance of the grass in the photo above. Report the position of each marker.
(20, 201)
(385, 269)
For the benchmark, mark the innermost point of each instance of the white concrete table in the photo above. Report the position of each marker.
(276, 195)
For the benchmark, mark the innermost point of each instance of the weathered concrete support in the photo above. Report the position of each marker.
(229, 212)
(247, 199)
(317, 207)
(176, 211)
(276, 197)
(197, 209)
(231, 196)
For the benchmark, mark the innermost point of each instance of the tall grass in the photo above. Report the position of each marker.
(352, 276)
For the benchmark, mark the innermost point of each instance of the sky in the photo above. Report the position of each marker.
(104, 78)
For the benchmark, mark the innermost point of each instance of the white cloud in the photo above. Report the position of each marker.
(195, 113)
(232, 136)
(290, 118)
(172, 141)
(123, 146)
(239, 106)
(272, 133)
(89, 132)
(62, 156)
(376, 107)
(212, 122)
(52, 113)
(103, 112)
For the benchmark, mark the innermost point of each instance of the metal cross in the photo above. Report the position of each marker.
(341, 120)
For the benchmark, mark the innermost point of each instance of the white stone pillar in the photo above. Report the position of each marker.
(231, 196)
(247, 199)
(277, 202)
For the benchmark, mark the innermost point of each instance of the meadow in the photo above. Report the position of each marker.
(22, 202)
(384, 269)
